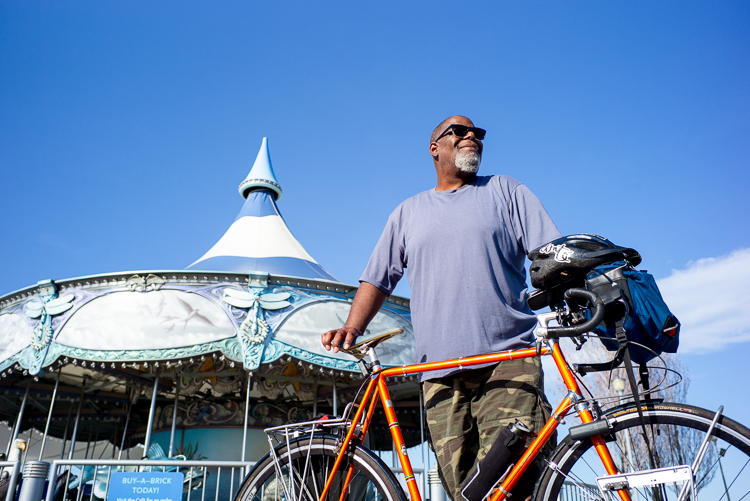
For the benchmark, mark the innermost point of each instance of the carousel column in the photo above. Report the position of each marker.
(124, 431)
(335, 396)
(174, 416)
(78, 419)
(315, 397)
(65, 434)
(49, 415)
(247, 413)
(75, 432)
(17, 425)
(150, 424)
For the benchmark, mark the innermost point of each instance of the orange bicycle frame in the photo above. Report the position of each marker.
(377, 387)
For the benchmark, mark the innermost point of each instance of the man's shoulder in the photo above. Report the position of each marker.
(413, 201)
(499, 185)
(506, 183)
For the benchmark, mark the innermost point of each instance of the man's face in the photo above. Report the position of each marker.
(462, 153)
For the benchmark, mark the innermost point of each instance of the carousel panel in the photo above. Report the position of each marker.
(15, 334)
(157, 320)
(303, 328)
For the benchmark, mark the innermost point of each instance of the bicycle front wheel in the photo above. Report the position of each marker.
(300, 472)
(674, 433)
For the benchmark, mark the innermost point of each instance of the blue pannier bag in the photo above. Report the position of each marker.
(650, 327)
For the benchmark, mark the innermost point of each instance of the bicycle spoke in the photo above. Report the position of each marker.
(735, 479)
(315, 483)
(574, 480)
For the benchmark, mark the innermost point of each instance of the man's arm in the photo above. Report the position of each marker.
(366, 304)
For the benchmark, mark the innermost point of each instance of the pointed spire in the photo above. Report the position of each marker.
(261, 175)
(259, 239)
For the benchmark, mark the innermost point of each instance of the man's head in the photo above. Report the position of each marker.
(455, 148)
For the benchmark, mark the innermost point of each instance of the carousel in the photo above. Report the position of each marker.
(190, 364)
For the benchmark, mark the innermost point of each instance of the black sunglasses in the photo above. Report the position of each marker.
(461, 131)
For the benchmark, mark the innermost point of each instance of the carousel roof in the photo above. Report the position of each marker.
(259, 239)
(251, 309)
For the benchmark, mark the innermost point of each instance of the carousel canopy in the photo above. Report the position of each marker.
(247, 314)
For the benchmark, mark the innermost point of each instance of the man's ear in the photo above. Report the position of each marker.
(434, 149)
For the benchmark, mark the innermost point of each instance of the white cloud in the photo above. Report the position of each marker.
(710, 298)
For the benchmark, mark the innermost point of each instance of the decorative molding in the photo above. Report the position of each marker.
(277, 349)
(43, 307)
(137, 283)
(254, 329)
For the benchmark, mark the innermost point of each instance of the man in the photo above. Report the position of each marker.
(464, 244)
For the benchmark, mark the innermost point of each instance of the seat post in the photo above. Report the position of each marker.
(375, 363)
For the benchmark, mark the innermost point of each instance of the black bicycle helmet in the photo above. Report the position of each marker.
(568, 259)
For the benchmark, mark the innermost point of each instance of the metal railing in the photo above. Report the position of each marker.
(204, 480)
(13, 478)
(578, 492)
(418, 476)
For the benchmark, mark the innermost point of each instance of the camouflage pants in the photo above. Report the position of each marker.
(467, 411)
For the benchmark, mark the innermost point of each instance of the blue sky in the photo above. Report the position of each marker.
(126, 127)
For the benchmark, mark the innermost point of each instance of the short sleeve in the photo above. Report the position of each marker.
(532, 225)
(387, 262)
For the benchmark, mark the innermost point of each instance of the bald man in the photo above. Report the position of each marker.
(464, 243)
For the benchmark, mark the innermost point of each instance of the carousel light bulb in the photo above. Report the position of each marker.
(124, 365)
(203, 357)
(169, 364)
(156, 364)
(75, 362)
(231, 364)
(145, 364)
(191, 360)
(221, 358)
(113, 365)
(83, 364)
(65, 360)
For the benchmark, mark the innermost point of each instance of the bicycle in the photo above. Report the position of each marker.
(325, 460)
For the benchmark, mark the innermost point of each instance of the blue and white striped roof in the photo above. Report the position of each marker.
(259, 239)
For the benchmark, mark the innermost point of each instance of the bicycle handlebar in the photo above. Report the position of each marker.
(596, 318)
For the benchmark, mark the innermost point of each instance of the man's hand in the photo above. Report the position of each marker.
(334, 338)
(367, 302)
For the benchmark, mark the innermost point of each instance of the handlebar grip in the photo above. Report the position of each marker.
(596, 318)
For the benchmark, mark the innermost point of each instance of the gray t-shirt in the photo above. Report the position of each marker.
(465, 251)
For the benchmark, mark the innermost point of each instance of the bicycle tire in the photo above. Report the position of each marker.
(677, 428)
(371, 479)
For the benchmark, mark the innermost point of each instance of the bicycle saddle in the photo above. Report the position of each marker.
(359, 350)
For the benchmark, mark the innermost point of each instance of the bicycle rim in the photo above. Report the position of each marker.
(675, 433)
(309, 465)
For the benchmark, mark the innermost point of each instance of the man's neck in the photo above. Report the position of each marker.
(454, 182)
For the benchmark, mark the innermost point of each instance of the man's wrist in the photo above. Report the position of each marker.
(359, 332)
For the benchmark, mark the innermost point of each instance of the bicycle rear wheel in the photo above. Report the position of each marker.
(303, 469)
(675, 433)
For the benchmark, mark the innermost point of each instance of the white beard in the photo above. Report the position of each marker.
(468, 162)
